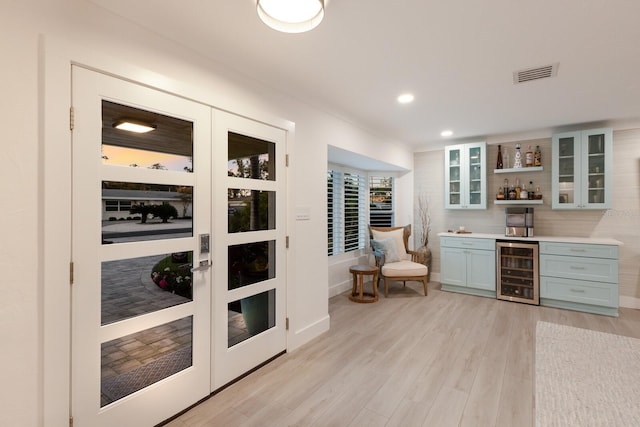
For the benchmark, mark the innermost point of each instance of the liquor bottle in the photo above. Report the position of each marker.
(500, 194)
(528, 157)
(518, 189)
(531, 192)
(505, 158)
(524, 194)
(538, 195)
(506, 188)
(537, 157)
(499, 164)
(517, 158)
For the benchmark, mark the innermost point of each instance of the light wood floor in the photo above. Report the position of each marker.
(408, 360)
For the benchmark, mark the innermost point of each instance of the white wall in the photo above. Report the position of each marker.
(34, 291)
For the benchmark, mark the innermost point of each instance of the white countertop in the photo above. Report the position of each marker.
(559, 239)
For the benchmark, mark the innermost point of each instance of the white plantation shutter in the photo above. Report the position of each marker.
(346, 211)
(354, 211)
(381, 201)
(334, 211)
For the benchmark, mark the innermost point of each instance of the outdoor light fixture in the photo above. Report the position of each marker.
(291, 16)
(134, 126)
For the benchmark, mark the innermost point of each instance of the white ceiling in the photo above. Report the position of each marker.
(457, 58)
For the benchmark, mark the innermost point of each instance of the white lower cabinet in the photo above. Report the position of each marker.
(468, 265)
(580, 277)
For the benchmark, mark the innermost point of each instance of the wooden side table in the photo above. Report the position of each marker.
(357, 292)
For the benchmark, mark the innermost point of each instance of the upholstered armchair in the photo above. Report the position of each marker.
(396, 262)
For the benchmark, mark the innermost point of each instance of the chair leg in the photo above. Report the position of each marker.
(386, 288)
(424, 281)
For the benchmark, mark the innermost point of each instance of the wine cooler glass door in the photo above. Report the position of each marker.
(518, 272)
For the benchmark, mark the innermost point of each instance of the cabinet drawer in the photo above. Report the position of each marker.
(569, 267)
(593, 293)
(579, 250)
(468, 243)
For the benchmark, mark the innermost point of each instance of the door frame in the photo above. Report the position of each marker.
(55, 58)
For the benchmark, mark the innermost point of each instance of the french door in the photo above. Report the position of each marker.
(141, 216)
(177, 247)
(250, 254)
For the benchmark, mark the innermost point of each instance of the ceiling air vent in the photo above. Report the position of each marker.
(535, 73)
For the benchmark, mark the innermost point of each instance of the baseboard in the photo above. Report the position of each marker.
(629, 302)
(302, 336)
(340, 288)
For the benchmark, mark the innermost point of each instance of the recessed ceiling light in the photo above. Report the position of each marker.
(405, 98)
(446, 133)
(135, 126)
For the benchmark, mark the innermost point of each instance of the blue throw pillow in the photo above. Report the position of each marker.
(388, 248)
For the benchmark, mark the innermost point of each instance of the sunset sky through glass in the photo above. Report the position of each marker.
(144, 159)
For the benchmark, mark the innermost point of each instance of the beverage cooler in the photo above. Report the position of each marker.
(518, 271)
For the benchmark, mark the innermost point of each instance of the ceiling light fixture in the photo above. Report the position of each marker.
(446, 133)
(135, 126)
(291, 16)
(405, 98)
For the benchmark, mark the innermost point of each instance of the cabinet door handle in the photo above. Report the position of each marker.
(577, 290)
(577, 250)
(575, 267)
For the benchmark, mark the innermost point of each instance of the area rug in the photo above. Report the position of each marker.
(118, 386)
(585, 378)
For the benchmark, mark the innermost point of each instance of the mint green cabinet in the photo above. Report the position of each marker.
(465, 177)
(581, 175)
(468, 265)
(581, 277)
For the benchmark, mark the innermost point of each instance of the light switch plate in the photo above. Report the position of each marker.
(303, 213)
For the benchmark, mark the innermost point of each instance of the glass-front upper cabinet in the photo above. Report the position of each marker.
(582, 169)
(465, 176)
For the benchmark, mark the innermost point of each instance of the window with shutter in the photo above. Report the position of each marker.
(346, 211)
(381, 201)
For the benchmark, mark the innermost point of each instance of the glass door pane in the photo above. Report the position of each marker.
(566, 170)
(136, 286)
(475, 176)
(167, 143)
(455, 177)
(596, 168)
(138, 360)
(518, 272)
